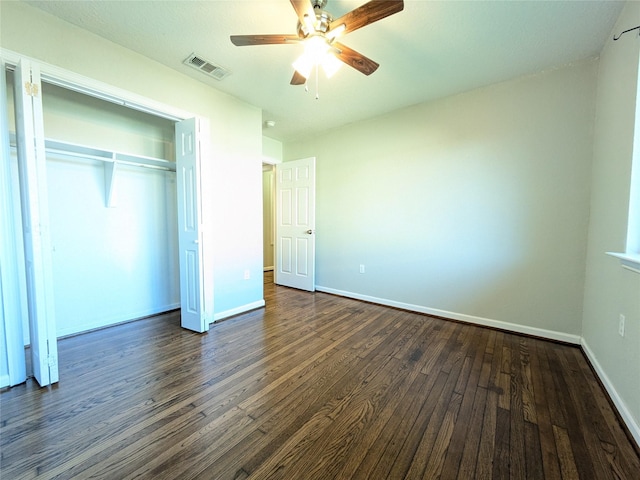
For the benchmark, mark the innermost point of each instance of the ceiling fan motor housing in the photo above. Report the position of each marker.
(320, 25)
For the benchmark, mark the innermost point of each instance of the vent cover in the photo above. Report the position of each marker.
(206, 67)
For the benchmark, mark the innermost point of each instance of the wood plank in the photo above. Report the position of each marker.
(533, 453)
(501, 453)
(543, 398)
(484, 465)
(565, 454)
(516, 427)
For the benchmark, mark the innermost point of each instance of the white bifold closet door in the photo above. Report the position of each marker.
(11, 315)
(35, 222)
(189, 144)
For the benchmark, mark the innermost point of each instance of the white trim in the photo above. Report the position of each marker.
(4, 381)
(238, 310)
(487, 322)
(270, 160)
(95, 88)
(624, 412)
(630, 261)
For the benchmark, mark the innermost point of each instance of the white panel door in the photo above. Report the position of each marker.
(10, 305)
(35, 222)
(188, 153)
(295, 224)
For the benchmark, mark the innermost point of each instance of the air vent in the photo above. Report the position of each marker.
(206, 67)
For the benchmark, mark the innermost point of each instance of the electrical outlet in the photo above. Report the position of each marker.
(361, 268)
(247, 274)
(621, 320)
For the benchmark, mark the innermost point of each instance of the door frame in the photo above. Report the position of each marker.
(272, 163)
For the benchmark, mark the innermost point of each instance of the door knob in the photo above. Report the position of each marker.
(310, 232)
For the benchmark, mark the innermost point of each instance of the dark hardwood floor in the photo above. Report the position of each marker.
(314, 387)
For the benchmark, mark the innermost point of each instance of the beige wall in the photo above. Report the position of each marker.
(476, 205)
(609, 289)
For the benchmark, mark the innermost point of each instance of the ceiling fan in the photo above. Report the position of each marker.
(318, 31)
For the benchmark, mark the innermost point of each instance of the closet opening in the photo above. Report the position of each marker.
(113, 208)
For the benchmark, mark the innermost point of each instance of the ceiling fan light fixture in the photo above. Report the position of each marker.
(318, 31)
(303, 65)
(315, 47)
(330, 64)
(317, 52)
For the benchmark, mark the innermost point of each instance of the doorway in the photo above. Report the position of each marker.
(295, 193)
(268, 216)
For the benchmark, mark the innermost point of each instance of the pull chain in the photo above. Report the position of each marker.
(306, 84)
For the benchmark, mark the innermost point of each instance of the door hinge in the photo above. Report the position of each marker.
(31, 89)
(52, 361)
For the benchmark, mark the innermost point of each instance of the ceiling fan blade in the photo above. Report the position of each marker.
(298, 78)
(368, 13)
(355, 59)
(244, 40)
(305, 11)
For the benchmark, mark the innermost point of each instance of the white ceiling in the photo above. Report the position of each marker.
(430, 50)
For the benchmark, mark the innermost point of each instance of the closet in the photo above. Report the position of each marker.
(114, 212)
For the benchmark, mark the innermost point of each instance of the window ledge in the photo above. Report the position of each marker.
(630, 261)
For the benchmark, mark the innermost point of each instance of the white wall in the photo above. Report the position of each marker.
(271, 150)
(476, 206)
(111, 264)
(236, 137)
(609, 289)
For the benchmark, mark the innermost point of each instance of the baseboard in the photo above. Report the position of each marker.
(4, 381)
(487, 322)
(268, 269)
(236, 311)
(623, 411)
(115, 320)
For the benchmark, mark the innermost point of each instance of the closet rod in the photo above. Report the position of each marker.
(626, 31)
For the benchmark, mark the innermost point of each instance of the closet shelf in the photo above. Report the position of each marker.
(111, 161)
(82, 152)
